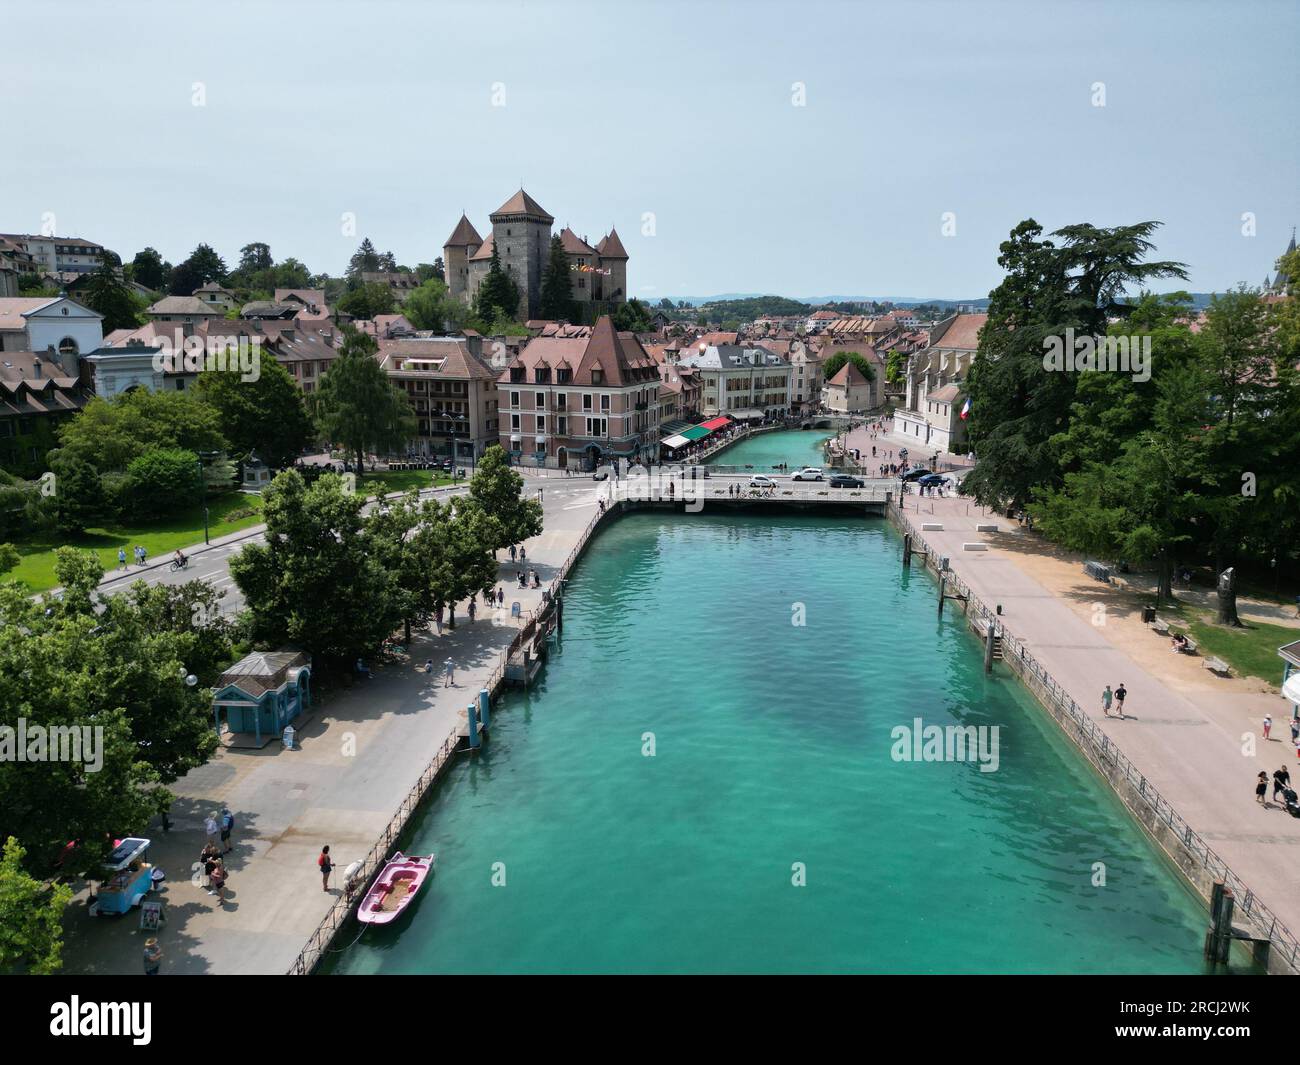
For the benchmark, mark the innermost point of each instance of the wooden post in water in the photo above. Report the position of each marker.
(989, 637)
(471, 719)
(1218, 938)
(943, 580)
(907, 551)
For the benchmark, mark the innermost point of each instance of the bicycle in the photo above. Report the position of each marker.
(179, 564)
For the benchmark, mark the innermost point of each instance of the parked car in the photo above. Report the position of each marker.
(600, 473)
(915, 474)
(808, 473)
(931, 479)
(844, 480)
(760, 480)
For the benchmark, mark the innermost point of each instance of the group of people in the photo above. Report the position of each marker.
(526, 579)
(218, 826)
(141, 556)
(1116, 698)
(1179, 642)
(1281, 786)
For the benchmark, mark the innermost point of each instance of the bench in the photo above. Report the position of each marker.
(1218, 665)
(1161, 626)
(986, 528)
(976, 546)
(1189, 648)
(932, 526)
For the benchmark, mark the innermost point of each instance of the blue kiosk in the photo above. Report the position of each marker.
(261, 693)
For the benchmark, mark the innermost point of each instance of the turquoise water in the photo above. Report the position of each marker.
(795, 447)
(772, 747)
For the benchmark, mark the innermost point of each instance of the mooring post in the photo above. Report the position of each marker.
(484, 711)
(942, 581)
(1218, 939)
(907, 551)
(559, 614)
(471, 719)
(989, 637)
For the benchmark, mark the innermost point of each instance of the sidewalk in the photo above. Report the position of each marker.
(359, 755)
(1186, 739)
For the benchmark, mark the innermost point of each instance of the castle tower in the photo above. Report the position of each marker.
(521, 230)
(613, 257)
(456, 252)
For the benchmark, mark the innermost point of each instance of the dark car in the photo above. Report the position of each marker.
(931, 479)
(844, 480)
(915, 474)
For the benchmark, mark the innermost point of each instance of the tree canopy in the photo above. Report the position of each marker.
(356, 404)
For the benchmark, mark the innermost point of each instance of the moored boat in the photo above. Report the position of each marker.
(394, 888)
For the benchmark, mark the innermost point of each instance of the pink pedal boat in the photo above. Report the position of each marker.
(394, 888)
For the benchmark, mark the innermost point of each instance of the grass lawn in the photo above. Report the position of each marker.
(386, 481)
(183, 529)
(1250, 651)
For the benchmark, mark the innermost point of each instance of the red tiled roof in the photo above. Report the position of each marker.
(522, 203)
(611, 247)
(463, 235)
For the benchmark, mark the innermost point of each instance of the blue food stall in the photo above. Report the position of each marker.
(128, 878)
(262, 693)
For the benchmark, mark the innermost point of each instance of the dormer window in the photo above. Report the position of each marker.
(597, 376)
(564, 375)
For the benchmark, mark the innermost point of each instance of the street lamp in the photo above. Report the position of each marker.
(456, 417)
(203, 493)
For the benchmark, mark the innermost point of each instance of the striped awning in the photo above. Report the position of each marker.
(716, 423)
(695, 432)
(674, 441)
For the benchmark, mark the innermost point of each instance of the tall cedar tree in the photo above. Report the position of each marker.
(557, 284)
(357, 405)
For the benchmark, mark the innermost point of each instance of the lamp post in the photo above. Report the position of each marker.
(203, 493)
(455, 418)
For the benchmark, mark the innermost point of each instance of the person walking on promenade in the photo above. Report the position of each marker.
(1106, 696)
(227, 826)
(1268, 725)
(1121, 693)
(437, 618)
(144, 555)
(513, 553)
(212, 827)
(501, 596)
(1295, 730)
(152, 956)
(1261, 788)
(523, 554)
(1281, 780)
(449, 674)
(121, 558)
(472, 611)
(326, 865)
(218, 879)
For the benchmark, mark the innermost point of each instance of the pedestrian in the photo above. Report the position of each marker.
(523, 555)
(513, 552)
(1295, 730)
(210, 864)
(1121, 693)
(326, 865)
(472, 611)
(121, 558)
(1261, 788)
(218, 880)
(501, 596)
(227, 826)
(1268, 725)
(212, 827)
(449, 674)
(1281, 780)
(152, 952)
(1106, 696)
(437, 618)
(428, 665)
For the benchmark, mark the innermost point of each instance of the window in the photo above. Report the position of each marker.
(541, 423)
(514, 399)
(586, 401)
(562, 426)
(604, 403)
(67, 346)
(541, 400)
(597, 376)
(514, 421)
(596, 427)
(561, 401)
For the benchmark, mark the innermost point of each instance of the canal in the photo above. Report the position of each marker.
(709, 777)
(765, 451)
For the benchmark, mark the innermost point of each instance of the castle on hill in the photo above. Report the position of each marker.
(521, 236)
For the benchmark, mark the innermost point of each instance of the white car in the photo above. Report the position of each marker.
(760, 481)
(808, 473)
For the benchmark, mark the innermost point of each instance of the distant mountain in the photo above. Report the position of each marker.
(1200, 300)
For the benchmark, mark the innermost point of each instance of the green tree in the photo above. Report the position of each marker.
(632, 317)
(431, 306)
(557, 284)
(497, 293)
(162, 481)
(111, 296)
(364, 260)
(78, 494)
(203, 265)
(267, 415)
(318, 581)
(9, 558)
(495, 488)
(149, 269)
(836, 362)
(357, 405)
(1018, 406)
(254, 257)
(31, 917)
(368, 300)
(109, 433)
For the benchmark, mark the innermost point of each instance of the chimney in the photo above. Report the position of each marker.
(36, 364)
(475, 345)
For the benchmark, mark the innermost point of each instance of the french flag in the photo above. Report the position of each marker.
(965, 410)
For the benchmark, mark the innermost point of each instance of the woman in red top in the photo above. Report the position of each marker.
(326, 867)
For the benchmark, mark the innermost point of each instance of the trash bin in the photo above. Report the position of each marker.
(1148, 615)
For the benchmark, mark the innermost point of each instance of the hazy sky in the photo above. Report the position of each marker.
(616, 109)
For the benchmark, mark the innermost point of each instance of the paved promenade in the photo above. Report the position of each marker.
(1186, 738)
(360, 753)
